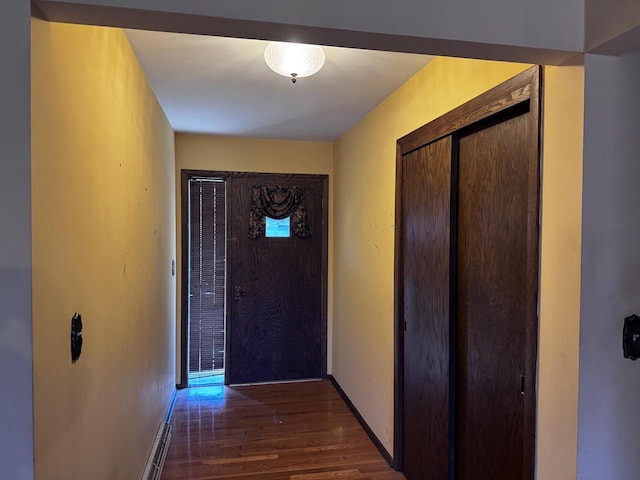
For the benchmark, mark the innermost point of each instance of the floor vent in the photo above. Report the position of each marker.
(158, 453)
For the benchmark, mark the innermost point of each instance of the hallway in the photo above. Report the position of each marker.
(292, 431)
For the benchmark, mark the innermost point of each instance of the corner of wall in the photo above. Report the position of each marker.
(560, 264)
(16, 364)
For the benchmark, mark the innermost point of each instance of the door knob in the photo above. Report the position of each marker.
(237, 292)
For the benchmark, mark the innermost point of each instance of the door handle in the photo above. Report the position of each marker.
(237, 292)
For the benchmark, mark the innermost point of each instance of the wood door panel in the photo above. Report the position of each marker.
(461, 411)
(491, 299)
(276, 325)
(426, 186)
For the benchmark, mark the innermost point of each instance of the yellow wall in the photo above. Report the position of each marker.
(560, 273)
(103, 241)
(208, 152)
(364, 195)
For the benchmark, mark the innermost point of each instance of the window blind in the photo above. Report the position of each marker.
(207, 274)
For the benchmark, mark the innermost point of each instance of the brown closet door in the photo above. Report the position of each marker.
(492, 437)
(466, 288)
(426, 194)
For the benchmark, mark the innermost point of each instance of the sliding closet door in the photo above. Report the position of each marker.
(426, 218)
(466, 289)
(492, 301)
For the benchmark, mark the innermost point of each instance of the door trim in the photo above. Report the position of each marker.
(228, 176)
(524, 87)
(521, 88)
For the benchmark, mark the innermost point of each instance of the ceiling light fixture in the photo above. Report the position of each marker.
(294, 60)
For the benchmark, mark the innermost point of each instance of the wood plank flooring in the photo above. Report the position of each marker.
(294, 431)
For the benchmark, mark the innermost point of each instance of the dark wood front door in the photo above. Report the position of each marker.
(466, 298)
(277, 286)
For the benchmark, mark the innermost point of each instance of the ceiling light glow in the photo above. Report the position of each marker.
(294, 60)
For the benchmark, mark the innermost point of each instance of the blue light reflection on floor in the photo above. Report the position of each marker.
(208, 388)
(209, 393)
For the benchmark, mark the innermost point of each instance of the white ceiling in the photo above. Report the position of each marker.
(223, 86)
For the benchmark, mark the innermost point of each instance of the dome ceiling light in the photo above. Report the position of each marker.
(294, 60)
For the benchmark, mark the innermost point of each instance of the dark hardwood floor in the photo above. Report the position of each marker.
(293, 431)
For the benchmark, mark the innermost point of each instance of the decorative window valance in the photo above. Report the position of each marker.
(278, 203)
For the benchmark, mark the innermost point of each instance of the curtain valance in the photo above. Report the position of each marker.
(278, 203)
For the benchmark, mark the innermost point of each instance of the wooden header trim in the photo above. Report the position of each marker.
(506, 95)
